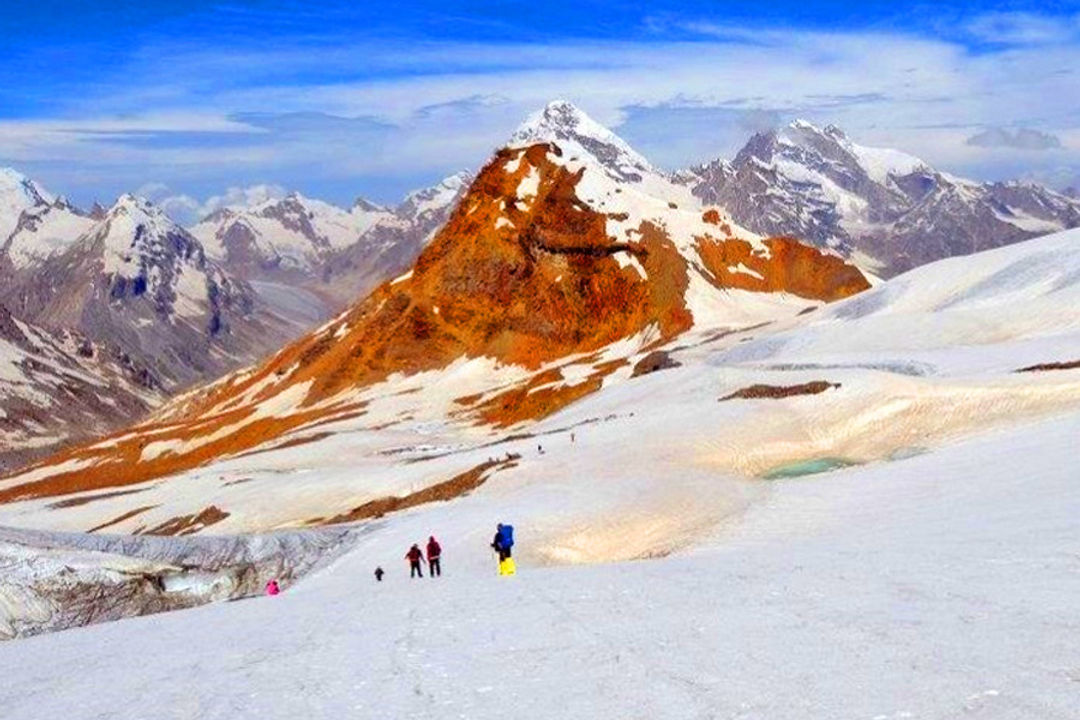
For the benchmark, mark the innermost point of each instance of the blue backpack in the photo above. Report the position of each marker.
(506, 536)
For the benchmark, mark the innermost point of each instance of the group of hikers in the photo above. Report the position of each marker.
(502, 544)
(415, 556)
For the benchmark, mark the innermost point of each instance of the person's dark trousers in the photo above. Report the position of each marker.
(434, 568)
(414, 569)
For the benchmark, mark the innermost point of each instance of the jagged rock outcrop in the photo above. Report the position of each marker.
(560, 247)
(54, 581)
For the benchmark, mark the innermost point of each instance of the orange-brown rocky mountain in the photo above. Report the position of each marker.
(560, 248)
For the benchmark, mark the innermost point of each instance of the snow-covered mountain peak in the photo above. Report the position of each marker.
(435, 198)
(137, 235)
(559, 118)
(805, 127)
(134, 222)
(43, 231)
(577, 134)
(13, 182)
(890, 208)
(136, 206)
(365, 205)
(18, 193)
(830, 144)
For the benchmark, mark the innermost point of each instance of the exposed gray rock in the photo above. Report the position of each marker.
(140, 283)
(53, 581)
(61, 387)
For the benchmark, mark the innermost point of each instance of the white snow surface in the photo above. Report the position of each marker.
(935, 577)
(877, 592)
(660, 574)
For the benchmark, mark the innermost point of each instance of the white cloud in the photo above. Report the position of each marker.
(1023, 28)
(187, 210)
(1020, 139)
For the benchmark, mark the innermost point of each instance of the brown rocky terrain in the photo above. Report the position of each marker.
(527, 271)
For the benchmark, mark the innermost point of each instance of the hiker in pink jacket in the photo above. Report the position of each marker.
(272, 588)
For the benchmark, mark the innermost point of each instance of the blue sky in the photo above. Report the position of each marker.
(193, 102)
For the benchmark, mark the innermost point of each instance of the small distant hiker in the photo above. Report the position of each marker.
(414, 556)
(540, 449)
(503, 544)
(272, 587)
(433, 553)
(573, 438)
(378, 574)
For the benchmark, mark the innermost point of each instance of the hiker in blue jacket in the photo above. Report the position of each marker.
(503, 541)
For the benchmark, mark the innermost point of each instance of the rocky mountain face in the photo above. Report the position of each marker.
(389, 245)
(889, 210)
(568, 247)
(137, 281)
(60, 387)
(187, 306)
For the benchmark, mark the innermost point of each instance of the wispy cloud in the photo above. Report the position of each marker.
(1020, 139)
(1023, 28)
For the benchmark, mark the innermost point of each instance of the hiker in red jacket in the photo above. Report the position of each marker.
(433, 553)
(414, 556)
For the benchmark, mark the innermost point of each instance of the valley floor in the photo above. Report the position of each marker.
(939, 586)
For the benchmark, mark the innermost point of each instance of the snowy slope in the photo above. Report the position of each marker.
(915, 368)
(878, 592)
(938, 553)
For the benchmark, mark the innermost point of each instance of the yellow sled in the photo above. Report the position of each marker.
(507, 567)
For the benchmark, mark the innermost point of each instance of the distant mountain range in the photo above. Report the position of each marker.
(888, 210)
(180, 306)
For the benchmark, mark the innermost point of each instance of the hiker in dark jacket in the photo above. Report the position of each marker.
(414, 556)
(498, 546)
(433, 553)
